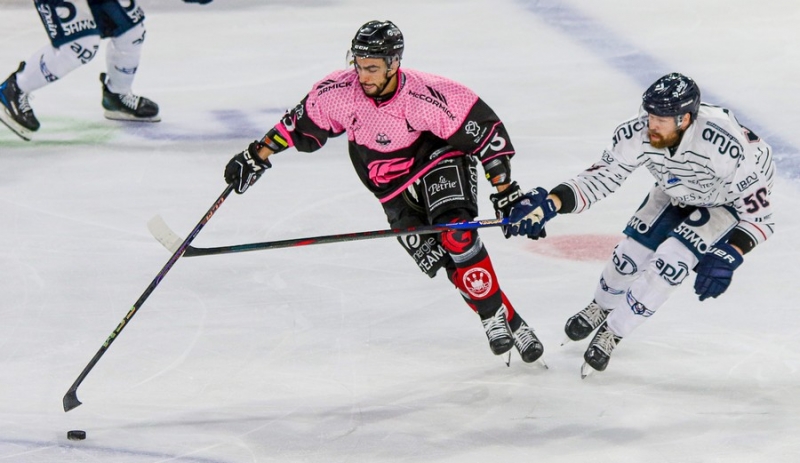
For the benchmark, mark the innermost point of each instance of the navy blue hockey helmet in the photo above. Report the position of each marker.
(378, 39)
(672, 95)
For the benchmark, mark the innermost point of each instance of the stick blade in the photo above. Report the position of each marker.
(161, 232)
(71, 400)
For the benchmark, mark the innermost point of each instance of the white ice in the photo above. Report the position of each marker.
(345, 352)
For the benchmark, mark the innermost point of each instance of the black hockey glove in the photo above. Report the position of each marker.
(246, 167)
(502, 202)
(715, 270)
(202, 2)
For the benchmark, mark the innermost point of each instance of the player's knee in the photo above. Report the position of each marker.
(131, 40)
(461, 244)
(672, 262)
(81, 50)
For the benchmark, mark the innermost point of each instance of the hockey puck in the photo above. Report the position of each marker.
(76, 435)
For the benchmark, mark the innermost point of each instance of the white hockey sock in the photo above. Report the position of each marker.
(627, 262)
(122, 59)
(667, 269)
(49, 64)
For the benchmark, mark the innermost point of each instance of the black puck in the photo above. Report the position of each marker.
(76, 434)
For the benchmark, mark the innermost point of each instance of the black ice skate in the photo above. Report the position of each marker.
(498, 331)
(598, 354)
(16, 112)
(128, 107)
(526, 342)
(581, 325)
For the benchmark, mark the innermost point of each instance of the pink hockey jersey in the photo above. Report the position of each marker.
(393, 143)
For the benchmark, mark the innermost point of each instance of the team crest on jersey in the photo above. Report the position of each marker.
(478, 282)
(472, 128)
(382, 139)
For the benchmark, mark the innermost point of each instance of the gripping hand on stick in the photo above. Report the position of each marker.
(246, 167)
(527, 212)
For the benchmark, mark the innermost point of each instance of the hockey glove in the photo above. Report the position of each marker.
(246, 167)
(503, 202)
(202, 2)
(715, 270)
(526, 212)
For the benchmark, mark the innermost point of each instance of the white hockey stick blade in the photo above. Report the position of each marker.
(586, 370)
(161, 231)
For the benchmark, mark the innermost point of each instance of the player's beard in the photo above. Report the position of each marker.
(376, 89)
(660, 141)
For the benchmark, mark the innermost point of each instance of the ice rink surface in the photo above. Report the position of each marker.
(345, 352)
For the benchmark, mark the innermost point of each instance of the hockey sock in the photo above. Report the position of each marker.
(474, 275)
(122, 59)
(627, 261)
(49, 64)
(667, 269)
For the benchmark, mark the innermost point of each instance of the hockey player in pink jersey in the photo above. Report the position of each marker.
(415, 140)
(710, 205)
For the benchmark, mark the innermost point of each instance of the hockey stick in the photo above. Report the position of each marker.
(71, 397)
(171, 241)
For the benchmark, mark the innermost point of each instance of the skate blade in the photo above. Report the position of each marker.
(507, 357)
(121, 116)
(566, 341)
(542, 362)
(21, 131)
(586, 370)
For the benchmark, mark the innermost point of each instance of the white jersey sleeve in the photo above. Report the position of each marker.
(616, 164)
(717, 163)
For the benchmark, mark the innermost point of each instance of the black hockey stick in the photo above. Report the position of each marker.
(71, 397)
(171, 241)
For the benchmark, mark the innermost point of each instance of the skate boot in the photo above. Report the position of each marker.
(526, 342)
(498, 331)
(581, 325)
(16, 112)
(598, 354)
(127, 107)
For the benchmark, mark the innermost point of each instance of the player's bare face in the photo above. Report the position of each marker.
(663, 131)
(372, 75)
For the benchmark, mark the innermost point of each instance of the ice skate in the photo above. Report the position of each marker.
(526, 342)
(581, 325)
(16, 112)
(599, 352)
(498, 332)
(128, 107)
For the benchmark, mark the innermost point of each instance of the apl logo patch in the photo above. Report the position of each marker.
(478, 282)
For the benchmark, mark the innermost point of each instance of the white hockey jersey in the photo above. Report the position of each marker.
(718, 162)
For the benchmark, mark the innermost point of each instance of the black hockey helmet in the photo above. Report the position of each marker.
(378, 39)
(672, 95)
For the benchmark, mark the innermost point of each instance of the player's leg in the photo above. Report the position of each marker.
(123, 24)
(663, 273)
(74, 41)
(449, 193)
(627, 261)
(645, 231)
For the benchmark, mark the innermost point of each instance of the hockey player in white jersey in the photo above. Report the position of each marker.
(709, 207)
(75, 28)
